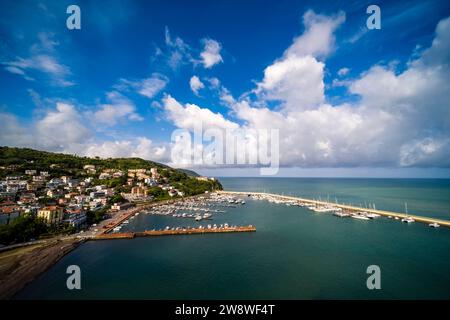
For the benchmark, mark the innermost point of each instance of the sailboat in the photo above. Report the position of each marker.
(406, 218)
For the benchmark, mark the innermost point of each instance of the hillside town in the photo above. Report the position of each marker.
(69, 204)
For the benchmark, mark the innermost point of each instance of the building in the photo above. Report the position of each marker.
(154, 172)
(76, 220)
(121, 206)
(51, 214)
(30, 172)
(90, 168)
(104, 175)
(139, 191)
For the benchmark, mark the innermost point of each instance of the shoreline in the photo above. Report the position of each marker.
(29, 263)
(32, 264)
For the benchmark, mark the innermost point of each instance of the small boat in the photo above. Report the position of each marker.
(341, 214)
(434, 225)
(406, 218)
(198, 218)
(360, 217)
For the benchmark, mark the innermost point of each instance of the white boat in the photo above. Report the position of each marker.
(372, 215)
(360, 217)
(198, 218)
(341, 214)
(406, 218)
(324, 209)
(434, 225)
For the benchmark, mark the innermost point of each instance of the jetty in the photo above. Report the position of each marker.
(350, 208)
(171, 232)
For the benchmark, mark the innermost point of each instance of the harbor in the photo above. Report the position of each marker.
(296, 252)
(340, 210)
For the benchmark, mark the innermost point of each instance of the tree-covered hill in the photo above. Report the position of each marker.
(14, 161)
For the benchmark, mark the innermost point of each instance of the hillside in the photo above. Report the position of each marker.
(14, 161)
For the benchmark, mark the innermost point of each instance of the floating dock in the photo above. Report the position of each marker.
(151, 233)
(384, 213)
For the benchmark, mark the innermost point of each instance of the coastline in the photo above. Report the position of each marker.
(22, 265)
(29, 265)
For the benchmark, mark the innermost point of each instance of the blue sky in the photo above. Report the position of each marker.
(121, 84)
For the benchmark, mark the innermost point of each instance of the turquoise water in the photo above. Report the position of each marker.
(427, 197)
(295, 254)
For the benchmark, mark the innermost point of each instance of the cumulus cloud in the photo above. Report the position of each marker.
(210, 55)
(296, 79)
(401, 119)
(140, 147)
(196, 84)
(61, 127)
(190, 115)
(57, 129)
(63, 130)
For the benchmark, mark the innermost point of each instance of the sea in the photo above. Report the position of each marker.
(294, 254)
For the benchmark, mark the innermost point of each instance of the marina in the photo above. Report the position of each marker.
(340, 210)
(309, 251)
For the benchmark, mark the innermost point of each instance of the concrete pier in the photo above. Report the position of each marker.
(183, 231)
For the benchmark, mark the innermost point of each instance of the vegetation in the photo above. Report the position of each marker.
(14, 162)
(22, 229)
(58, 164)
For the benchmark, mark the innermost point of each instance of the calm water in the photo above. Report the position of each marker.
(295, 254)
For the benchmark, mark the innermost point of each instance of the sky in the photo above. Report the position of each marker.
(346, 100)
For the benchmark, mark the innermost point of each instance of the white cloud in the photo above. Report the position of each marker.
(148, 87)
(196, 84)
(61, 127)
(210, 55)
(191, 115)
(42, 60)
(119, 108)
(62, 130)
(178, 52)
(318, 39)
(343, 72)
(140, 147)
(402, 119)
(296, 79)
